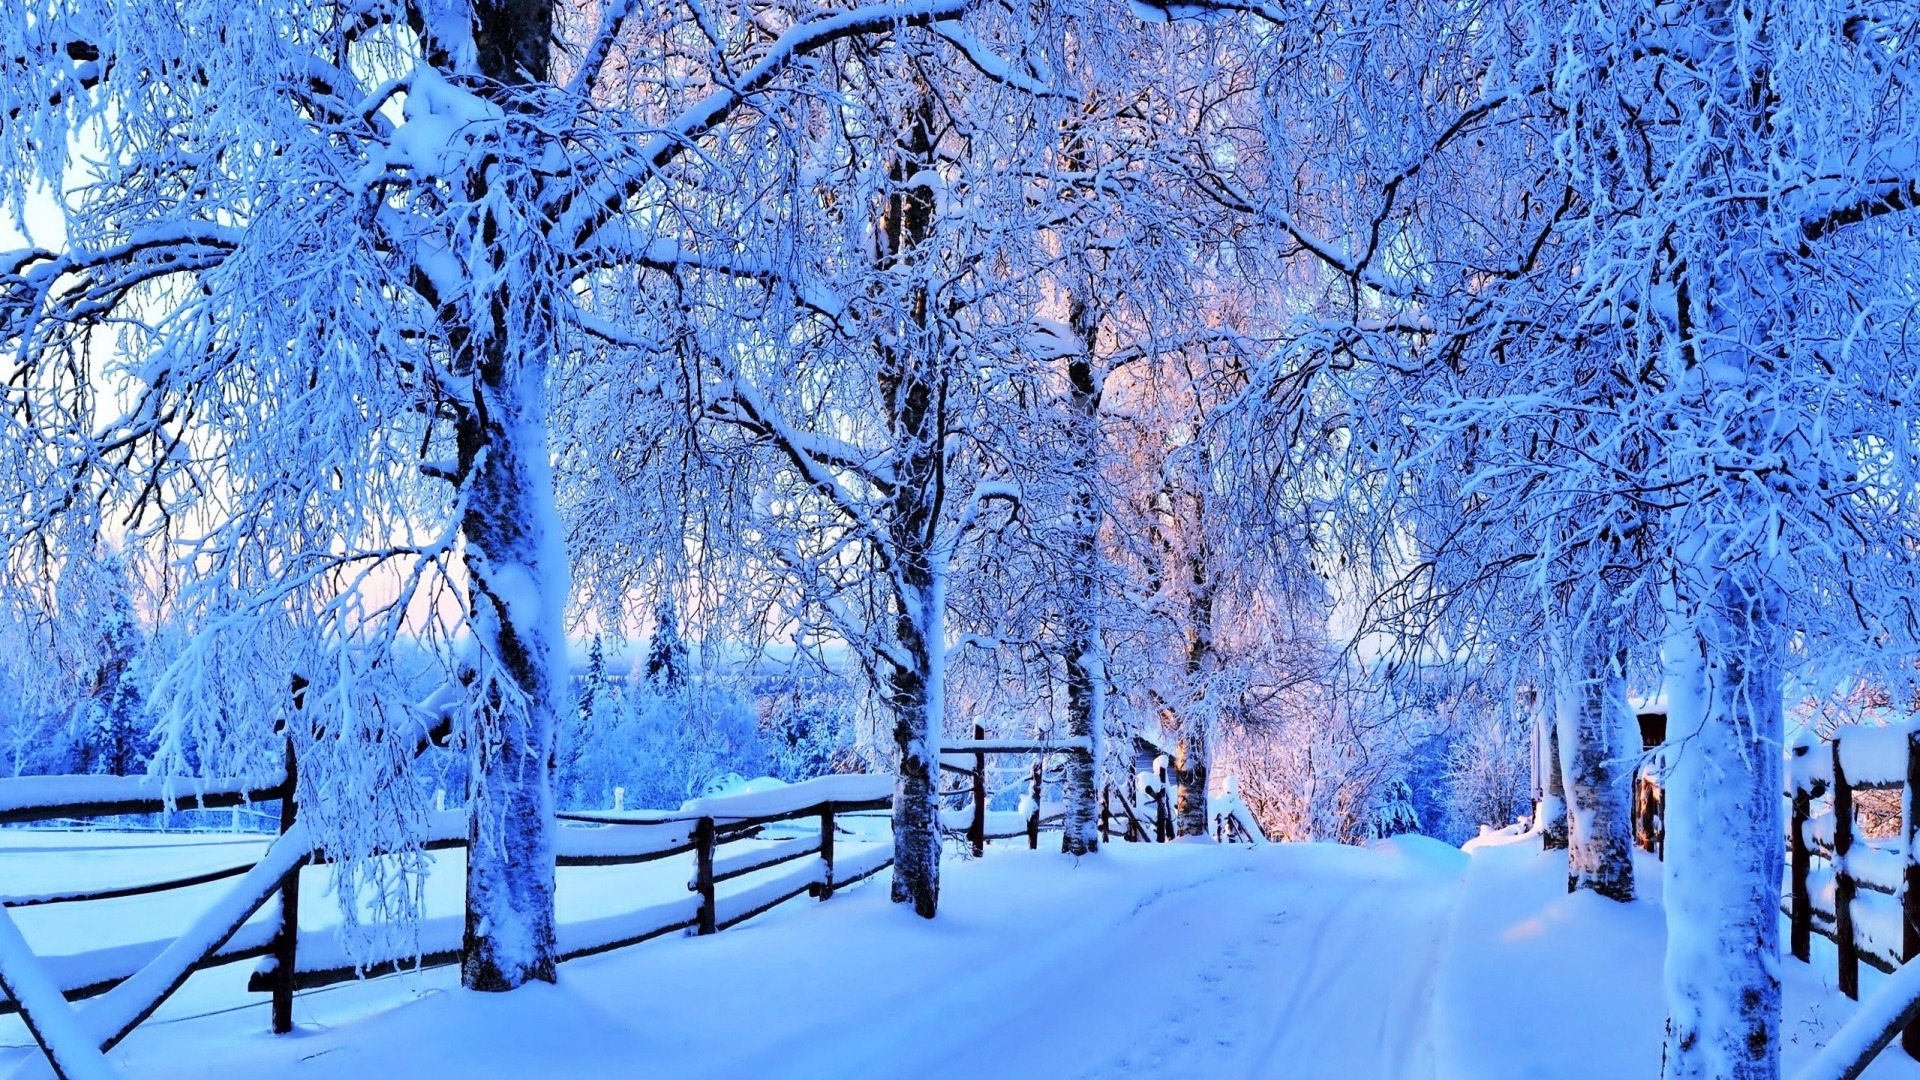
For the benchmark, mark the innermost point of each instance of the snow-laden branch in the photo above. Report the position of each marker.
(612, 19)
(815, 456)
(1170, 10)
(992, 64)
(1881, 199)
(986, 492)
(613, 244)
(604, 201)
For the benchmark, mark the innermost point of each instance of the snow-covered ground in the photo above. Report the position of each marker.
(1406, 961)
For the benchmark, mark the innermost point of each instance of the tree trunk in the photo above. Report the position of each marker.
(1192, 753)
(513, 546)
(1598, 743)
(517, 572)
(913, 386)
(1552, 821)
(1724, 856)
(916, 697)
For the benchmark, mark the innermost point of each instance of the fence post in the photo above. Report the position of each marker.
(1106, 813)
(1033, 819)
(1843, 887)
(703, 872)
(1910, 880)
(286, 942)
(1162, 807)
(1799, 861)
(826, 850)
(977, 831)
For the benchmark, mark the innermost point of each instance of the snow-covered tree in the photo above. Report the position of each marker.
(312, 291)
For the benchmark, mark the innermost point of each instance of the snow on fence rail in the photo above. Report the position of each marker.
(46, 798)
(1866, 898)
(130, 981)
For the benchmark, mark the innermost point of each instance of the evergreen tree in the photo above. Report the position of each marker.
(595, 689)
(110, 729)
(666, 670)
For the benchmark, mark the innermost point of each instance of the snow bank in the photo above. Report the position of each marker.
(612, 931)
(92, 967)
(1879, 1013)
(1537, 983)
(71, 1046)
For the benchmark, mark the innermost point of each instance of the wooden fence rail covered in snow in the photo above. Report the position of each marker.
(1847, 879)
(1859, 890)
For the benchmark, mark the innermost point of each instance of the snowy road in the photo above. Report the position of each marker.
(1275, 971)
(1169, 961)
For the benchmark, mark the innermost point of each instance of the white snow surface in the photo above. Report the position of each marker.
(1408, 960)
(851, 787)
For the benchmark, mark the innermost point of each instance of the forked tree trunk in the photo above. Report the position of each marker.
(1598, 742)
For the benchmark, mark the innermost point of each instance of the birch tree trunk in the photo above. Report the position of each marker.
(517, 573)
(915, 694)
(1086, 657)
(1597, 741)
(1727, 614)
(513, 547)
(912, 382)
(1191, 751)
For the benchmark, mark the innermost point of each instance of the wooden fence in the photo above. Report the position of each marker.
(132, 981)
(978, 824)
(1866, 896)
